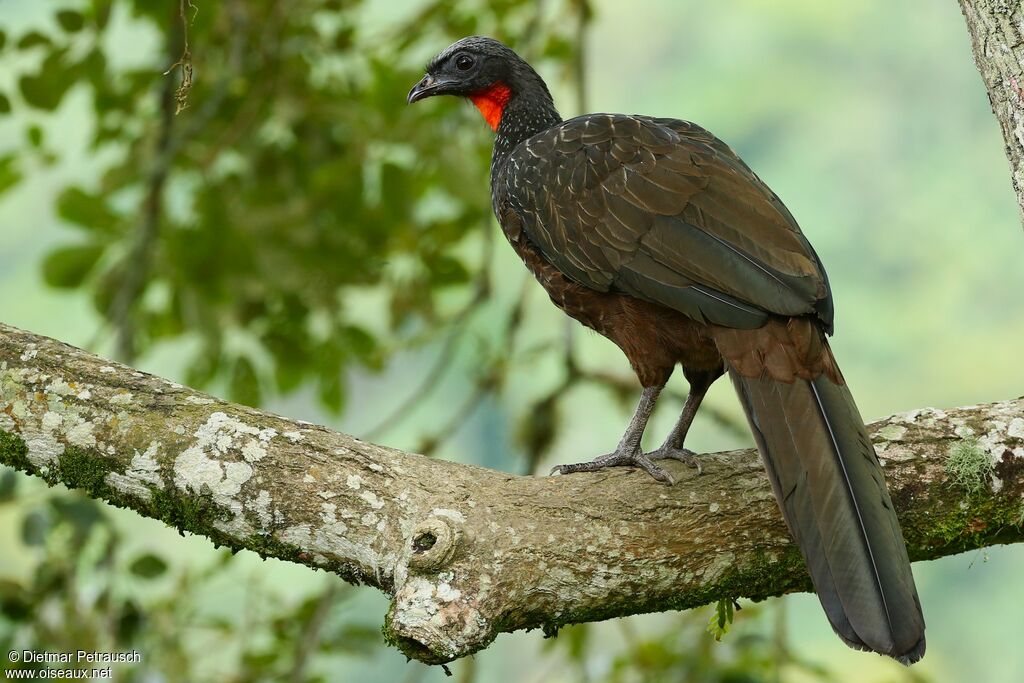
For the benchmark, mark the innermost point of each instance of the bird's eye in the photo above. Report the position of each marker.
(463, 62)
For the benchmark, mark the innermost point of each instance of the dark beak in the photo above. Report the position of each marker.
(428, 87)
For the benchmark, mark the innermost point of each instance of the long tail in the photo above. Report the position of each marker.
(831, 491)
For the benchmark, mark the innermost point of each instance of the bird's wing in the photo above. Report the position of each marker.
(663, 210)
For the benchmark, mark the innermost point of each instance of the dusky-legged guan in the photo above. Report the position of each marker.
(655, 234)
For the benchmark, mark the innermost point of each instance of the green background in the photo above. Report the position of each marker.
(871, 122)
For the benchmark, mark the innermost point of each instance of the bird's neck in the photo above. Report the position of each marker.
(523, 114)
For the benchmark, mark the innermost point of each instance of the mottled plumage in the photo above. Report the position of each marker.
(655, 234)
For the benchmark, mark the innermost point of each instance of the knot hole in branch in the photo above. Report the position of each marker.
(434, 542)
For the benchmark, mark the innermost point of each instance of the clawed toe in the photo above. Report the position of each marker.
(617, 459)
(683, 455)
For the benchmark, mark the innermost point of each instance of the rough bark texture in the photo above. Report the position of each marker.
(997, 37)
(467, 552)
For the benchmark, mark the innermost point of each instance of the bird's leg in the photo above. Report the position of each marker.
(628, 452)
(673, 446)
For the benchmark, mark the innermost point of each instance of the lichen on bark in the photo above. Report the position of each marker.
(996, 28)
(465, 552)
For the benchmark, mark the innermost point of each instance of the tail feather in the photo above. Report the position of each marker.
(832, 493)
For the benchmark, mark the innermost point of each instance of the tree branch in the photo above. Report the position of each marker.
(997, 39)
(468, 552)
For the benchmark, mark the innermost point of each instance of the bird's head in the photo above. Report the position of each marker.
(484, 70)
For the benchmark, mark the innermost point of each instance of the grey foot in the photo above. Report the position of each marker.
(618, 459)
(683, 455)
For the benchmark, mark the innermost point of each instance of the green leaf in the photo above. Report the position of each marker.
(3, 40)
(721, 619)
(204, 366)
(94, 68)
(259, 660)
(34, 528)
(559, 48)
(8, 485)
(38, 93)
(100, 12)
(446, 270)
(77, 206)
(82, 513)
(67, 267)
(5, 104)
(46, 89)
(332, 392)
(15, 600)
(148, 566)
(70, 20)
(34, 134)
(9, 173)
(395, 189)
(33, 39)
(362, 345)
(245, 385)
(129, 621)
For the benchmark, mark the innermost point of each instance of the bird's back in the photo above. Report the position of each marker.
(664, 211)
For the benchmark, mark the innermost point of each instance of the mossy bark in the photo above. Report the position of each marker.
(468, 552)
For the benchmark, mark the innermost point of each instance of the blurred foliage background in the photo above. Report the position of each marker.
(234, 194)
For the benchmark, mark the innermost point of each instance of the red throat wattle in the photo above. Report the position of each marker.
(491, 102)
